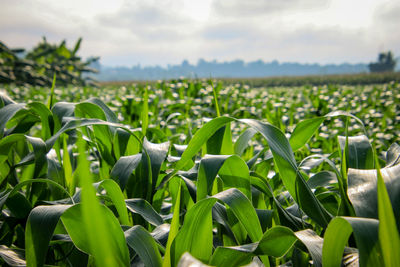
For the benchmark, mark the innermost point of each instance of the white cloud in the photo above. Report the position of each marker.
(160, 32)
(263, 8)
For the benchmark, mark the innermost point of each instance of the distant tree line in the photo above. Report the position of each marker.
(232, 69)
(38, 66)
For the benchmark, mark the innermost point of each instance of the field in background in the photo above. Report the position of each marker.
(273, 171)
(283, 106)
(343, 79)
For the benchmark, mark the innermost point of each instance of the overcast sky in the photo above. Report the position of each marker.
(148, 32)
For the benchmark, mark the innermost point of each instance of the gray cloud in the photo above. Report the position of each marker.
(229, 31)
(159, 32)
(386, 22)
(388, 14)
(142, 12)
(146, 20)
(256, 7)
(24, 23)
(307, 43)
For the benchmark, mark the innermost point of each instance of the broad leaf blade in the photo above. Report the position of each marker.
(39, 229)
(143, 243)
(304, 131)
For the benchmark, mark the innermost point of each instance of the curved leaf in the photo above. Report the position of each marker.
(124, 167)
(393, 155)
(157, 154)
(195, 235)
(366, 235)
(111, 238)
(243, 140)
(388, 232)
(6, 113)
(362, 190)
(39, 229)
(13, 257)
(200, 137)
(303, 132)
(360, 153)
(143, 243)
(142, 207)
(116, 196)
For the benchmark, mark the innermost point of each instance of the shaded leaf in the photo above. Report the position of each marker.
(144, 245)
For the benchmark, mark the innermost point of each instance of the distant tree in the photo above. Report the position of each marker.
(38, 66)
(386, 63)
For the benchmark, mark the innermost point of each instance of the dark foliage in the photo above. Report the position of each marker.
(38, 66)
(386, 63)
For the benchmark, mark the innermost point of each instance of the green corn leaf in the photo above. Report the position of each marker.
(39, 229)
(157, 154)
(362, 190)
(73, 221)
(124, 167)
(233, 256)
(305, 129)
(69, 179)
(200, 137)
(215, 93)
(227, 145)
(120, 142)
(393, 155)
(214, 143)
(174, 230)
(288, 172)
(208, 170)
(366, 235)
(338, 113)
(303, 132)
(145, 111)
(39, 150)
(46, 118)
(51, 97)
(117, 198)
(110, 115)
(360, 153)
(195, 235)
(233, 172)
(18, 205)
(60, 111)
(6, 113)
(314, 244)
(103, 234)
(142, 207)
(143, 243)
(243, 140)
(276, 242)
(6, 194)
(322, 179)
(388, 231)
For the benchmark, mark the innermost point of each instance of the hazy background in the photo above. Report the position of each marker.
(149, 33)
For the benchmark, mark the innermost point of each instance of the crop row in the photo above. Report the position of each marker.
(136, 175)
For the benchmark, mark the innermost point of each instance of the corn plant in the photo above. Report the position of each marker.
(89, 184)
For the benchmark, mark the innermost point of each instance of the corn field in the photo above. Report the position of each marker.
(200, 173)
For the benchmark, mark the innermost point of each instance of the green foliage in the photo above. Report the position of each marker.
(42, 63)
(134, 176)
